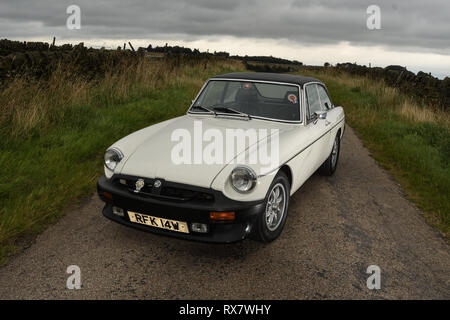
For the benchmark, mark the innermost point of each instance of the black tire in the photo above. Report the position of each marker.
(261, 231)
(330, 165)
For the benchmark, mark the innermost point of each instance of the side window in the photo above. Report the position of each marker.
(324, 98)
(313, 100)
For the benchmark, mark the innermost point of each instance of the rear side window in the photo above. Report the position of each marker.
(324, 98)
(313, 100)
(274, 92)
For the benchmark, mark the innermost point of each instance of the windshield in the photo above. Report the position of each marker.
(255, 99)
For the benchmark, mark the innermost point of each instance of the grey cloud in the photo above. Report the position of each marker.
(405, 24)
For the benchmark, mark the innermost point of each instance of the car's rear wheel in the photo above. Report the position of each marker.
(330, 165)
(271, 221)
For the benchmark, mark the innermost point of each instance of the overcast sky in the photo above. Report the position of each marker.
(413, 33)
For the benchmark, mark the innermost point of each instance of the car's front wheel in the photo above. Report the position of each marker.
(270, 222)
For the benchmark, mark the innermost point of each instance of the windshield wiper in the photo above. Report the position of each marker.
(204, 108)
(231, 110)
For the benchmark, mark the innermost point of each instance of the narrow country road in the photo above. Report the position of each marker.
(337, 226)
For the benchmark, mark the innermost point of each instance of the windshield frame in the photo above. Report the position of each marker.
(300, 103)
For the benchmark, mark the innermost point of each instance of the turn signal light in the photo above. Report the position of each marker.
(107, 195)
(222, 216)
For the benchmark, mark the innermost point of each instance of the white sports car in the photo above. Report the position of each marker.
(226, 169)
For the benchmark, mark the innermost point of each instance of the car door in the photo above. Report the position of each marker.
(333, 114)
(317, 129)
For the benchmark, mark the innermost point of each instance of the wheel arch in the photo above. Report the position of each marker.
(288, 172)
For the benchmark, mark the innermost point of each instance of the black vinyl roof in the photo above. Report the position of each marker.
(263, 76)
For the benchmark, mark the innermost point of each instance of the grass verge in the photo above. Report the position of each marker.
(410, 141)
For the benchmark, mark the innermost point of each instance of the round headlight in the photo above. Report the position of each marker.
(112, 158)
(243, 179)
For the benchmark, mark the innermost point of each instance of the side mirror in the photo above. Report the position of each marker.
(321, 115)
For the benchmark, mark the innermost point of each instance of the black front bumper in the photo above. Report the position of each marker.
(187, 211)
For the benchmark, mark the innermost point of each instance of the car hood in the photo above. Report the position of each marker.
(152, 155)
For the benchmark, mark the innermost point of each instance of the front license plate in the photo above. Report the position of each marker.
(173, 225)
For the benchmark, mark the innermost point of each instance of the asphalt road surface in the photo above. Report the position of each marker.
(337, 226)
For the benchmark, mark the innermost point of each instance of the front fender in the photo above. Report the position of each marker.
(222, 183)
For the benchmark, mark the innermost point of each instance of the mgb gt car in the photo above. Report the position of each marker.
(226, 169)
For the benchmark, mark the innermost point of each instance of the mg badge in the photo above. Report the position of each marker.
(157, 184)
(139, 185)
